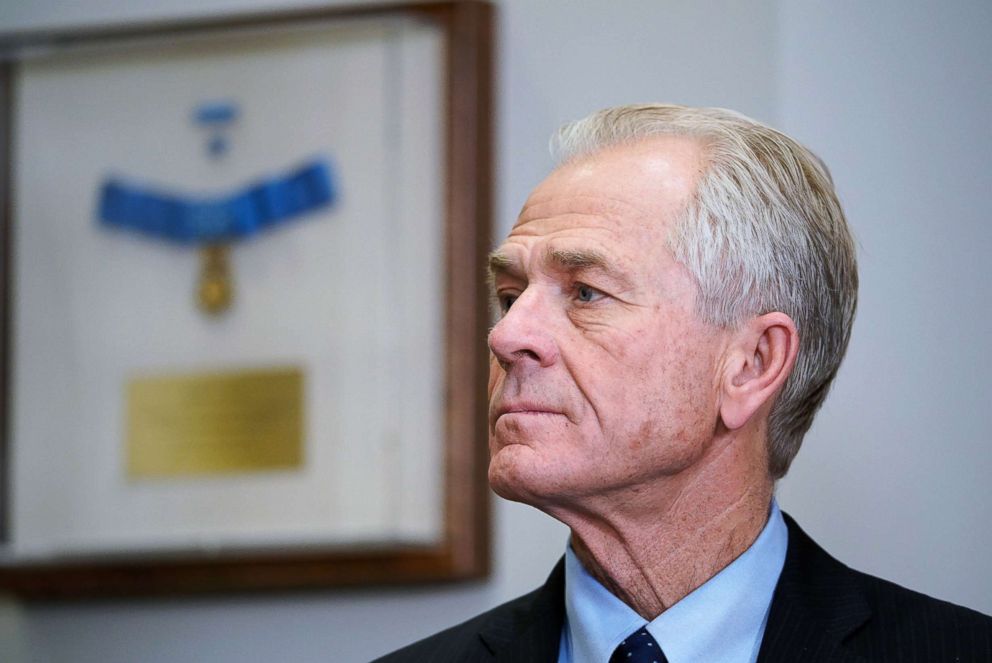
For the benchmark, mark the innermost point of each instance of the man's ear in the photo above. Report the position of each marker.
(760, 360)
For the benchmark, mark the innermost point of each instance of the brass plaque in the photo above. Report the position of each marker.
(244, 421)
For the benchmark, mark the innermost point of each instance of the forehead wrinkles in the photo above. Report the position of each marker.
(608, 209)
(625, 243)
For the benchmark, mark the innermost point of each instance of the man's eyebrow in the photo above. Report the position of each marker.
(573, 259)
(569, 260)
(500, 263)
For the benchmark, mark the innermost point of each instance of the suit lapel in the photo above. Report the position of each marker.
(817, 603)
(532, 632)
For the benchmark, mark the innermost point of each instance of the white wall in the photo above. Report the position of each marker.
(894, 476)
(895, 95)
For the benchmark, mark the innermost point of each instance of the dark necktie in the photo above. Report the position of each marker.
(639, 647)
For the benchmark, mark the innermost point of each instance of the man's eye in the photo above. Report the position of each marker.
(506, 301)
(586, 294)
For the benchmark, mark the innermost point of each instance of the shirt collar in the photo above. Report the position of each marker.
(723, 619)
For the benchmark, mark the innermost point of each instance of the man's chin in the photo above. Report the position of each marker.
(516, 474)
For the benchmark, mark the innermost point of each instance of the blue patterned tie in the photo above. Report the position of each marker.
(639, 647)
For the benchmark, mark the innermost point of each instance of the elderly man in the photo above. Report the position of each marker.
(675, 299)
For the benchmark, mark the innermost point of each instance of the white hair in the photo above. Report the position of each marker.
(763, 232)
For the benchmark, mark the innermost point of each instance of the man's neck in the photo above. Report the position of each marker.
(663, 546)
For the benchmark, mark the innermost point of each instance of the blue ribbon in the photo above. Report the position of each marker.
(215, 113)
(211, 220)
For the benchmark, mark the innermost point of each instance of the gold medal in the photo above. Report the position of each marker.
(215, 290)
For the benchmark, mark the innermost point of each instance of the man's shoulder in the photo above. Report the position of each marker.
(902, 615)
(537, 614)
(462, 641)
(872, 617)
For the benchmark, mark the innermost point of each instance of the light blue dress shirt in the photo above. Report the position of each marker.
(723, 620)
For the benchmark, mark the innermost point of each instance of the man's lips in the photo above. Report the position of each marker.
(523, 408)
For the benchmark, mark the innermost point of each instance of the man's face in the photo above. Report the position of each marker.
(603, 378)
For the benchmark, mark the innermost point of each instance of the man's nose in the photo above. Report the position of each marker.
(523, 334)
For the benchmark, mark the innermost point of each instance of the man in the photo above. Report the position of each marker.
(676, 298)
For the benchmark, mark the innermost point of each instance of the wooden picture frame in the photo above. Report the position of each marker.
(462, 550)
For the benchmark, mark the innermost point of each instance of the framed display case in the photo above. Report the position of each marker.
(244, 302)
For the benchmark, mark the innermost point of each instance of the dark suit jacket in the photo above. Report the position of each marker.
(821, 611)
